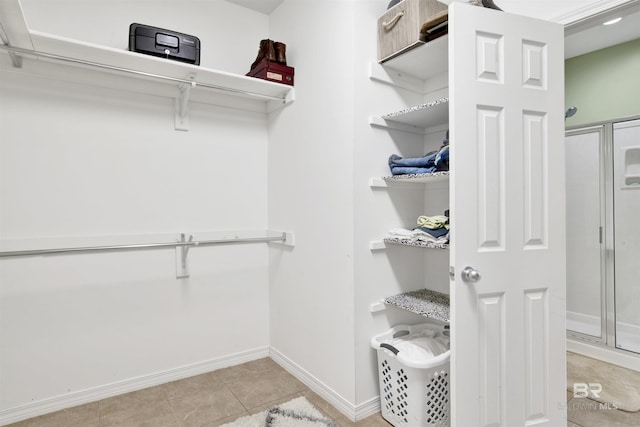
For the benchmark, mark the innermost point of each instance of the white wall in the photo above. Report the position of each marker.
(322, 152)
(82, 165)
(386, 272)
(311, 192)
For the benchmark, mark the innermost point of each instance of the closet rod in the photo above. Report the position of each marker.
(144, 246)
(14, 49)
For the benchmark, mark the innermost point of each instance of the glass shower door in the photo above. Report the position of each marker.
(585, 250)
(626, 193)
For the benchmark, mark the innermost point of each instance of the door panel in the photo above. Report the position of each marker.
(492, 355)
(536, 337)
(508, 218)
(490, 179)
(535, 197)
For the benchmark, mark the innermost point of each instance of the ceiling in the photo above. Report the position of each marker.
(590, 35)
(585, 35)
(264, 6)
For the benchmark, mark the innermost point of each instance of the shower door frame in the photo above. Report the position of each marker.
(607, 250)
(604, 173)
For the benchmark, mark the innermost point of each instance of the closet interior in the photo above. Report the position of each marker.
(271, 206)
(134, 240)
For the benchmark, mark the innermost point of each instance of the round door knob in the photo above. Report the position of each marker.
(470, 274)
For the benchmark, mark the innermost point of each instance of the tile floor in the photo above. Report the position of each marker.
(221, 396)
(583, 412)
(205, 400)
(589, 413)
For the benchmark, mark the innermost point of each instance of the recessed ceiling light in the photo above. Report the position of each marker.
(613, 21)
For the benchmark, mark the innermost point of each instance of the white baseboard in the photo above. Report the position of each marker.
(627, 334)
(584, 323)
(351, 411)
(58, 403)
(368, 408)
(605, 354)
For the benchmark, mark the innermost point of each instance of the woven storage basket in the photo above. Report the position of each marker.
(399, 27)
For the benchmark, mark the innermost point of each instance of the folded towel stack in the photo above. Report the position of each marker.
(433, 222)
(432, 229)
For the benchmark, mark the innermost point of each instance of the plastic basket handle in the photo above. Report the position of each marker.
(391, 348)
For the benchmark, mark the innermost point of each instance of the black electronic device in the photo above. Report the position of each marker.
(164, 43)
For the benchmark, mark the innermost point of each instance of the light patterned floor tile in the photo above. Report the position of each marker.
(258, 389)
(219, 397)
(203, 407)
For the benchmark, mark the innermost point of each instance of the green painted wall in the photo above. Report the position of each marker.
(604, 84)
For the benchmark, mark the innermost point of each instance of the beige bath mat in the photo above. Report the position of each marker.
(603, 382)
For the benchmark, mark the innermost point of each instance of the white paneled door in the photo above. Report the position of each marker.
(508, 219)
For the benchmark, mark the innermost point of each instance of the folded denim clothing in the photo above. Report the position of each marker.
(438, 232)
(442, 156)
(406, 170)
(433, 161)
(442, 159)
(426, 161)
(411, 165)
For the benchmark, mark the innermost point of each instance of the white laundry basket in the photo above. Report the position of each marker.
(413, 393)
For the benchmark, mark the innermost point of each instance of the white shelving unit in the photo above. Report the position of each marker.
(412, 70)
(65, 59)
(423, 62)
(377, 245)
(415, 244)
(425, 302)
(417, 68)
(400, 180)
(145, 67)
(423, 116)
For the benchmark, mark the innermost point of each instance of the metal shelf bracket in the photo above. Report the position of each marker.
(182, 104)
(16, 60)
(182, 268)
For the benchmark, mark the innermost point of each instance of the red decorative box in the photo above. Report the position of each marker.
(272, 71)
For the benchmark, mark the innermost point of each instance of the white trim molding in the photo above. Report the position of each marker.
(350, 410)
(579, 15)
(81, 397)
